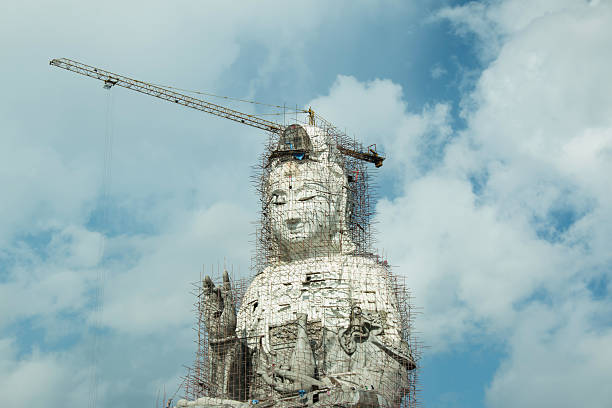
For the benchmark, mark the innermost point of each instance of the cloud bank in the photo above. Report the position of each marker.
(503, 232)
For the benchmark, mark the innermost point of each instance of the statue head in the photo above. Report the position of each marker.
(306, 195)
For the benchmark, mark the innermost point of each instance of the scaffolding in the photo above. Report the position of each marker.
(323, 321)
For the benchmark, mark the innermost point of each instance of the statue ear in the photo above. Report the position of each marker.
(343, 220)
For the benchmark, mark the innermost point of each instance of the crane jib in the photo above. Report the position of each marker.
(111, 79)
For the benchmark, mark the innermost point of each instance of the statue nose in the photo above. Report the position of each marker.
(292, 223)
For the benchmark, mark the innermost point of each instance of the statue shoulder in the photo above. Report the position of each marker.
(366, 261)
(260, 280)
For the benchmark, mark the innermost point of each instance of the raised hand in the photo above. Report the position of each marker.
(218, 309)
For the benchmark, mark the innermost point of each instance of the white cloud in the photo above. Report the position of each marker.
(438, 71)
(376, 110)
(558, 359)
(468, 266)
(167, 265)
(502, 235)
(40, 379)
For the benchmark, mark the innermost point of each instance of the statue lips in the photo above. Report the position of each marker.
(296, 230)
(294, 225)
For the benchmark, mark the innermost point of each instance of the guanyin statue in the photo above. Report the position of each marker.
(320, 324)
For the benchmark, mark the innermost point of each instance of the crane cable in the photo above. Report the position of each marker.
(229, 98)
(101, 272)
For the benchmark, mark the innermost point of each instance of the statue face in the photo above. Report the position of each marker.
(304, 210)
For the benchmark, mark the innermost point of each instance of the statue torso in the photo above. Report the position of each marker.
(327, 290)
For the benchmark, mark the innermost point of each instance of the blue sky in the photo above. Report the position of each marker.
(494, 200)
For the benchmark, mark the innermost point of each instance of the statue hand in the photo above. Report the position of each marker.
(218, 309)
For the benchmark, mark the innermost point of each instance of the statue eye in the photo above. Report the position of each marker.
(307, 198)
(278, 199)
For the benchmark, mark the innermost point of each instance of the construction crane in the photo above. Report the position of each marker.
(110, 79)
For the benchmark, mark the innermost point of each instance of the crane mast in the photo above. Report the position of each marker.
(111, 79)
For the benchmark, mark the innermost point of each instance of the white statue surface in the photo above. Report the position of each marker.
(320, 324)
